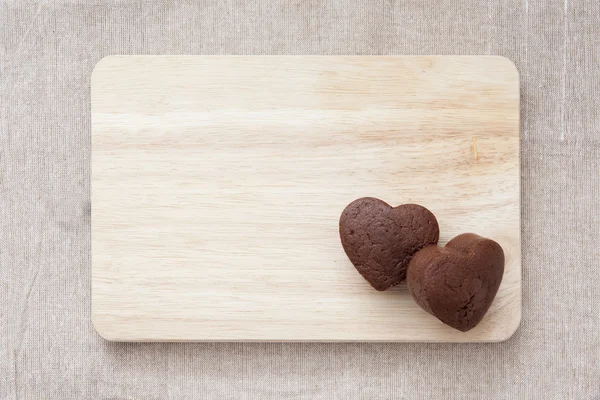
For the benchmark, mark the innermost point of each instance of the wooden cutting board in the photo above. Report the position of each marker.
(218, 182)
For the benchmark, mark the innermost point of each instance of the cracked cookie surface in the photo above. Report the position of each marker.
(457, 283)
(380, 240)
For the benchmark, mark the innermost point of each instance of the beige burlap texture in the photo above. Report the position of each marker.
(48, 347)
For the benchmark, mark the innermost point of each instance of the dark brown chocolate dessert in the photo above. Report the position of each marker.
(380, 240)
(457, 283)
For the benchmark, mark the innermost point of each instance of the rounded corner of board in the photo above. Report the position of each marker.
(511, 328)
(509, 66)
(103, 329)
(102, 64)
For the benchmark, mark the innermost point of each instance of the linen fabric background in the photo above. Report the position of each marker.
(48, 347)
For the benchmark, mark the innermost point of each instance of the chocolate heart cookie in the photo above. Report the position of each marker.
(457, 283)
(380, 240)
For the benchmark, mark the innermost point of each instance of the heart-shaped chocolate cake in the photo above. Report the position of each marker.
(457, 283)
(380, 240)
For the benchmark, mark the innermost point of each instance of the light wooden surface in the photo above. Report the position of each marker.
(217, 184)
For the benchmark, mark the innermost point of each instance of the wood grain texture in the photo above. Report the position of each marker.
(218, 182)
